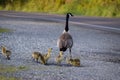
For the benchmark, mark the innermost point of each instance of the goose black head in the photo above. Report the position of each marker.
(69, 14)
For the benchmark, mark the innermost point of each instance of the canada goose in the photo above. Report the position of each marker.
(38, 56)
(6, 52)
(73, 62)
(59, 58)
(65, 40)
(47, 55)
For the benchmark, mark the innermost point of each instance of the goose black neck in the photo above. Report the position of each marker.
(66, 26)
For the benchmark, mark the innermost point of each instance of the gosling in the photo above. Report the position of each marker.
(38, 56)
(47, 55)
(59, 58)
(6, 53)
(73, 62)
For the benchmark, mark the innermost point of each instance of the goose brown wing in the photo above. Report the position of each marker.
(65, 41)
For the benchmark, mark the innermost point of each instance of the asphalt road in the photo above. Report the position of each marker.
(96, 43)
(83, 20)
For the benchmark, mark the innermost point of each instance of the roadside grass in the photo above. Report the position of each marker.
(22, 68)
(104, 8)
(4, 69)
(10, 69)
(8, 78)
(4, 30)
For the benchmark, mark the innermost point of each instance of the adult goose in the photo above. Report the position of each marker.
(65, 40)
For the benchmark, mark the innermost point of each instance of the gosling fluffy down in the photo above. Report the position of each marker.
(6, 53)
(47, 55)
(59, 58)
(73, 62)
(38, 56)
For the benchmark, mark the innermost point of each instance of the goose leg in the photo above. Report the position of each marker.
(70, 53)
(8, 57)
(36, 60)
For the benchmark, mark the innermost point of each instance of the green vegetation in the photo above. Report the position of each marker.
(22, 68)
(4, 69)
(8, 78)
(10, 69)
(4, 30)
(107, 8)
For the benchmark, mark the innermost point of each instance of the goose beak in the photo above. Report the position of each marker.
(70, 14)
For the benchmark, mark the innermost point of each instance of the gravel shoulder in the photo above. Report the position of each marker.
(99, 51)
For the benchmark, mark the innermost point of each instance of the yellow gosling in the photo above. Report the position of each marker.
(6, 52)
(38, 56)
(48, 55)
(41, 58)
(59, 58)
(73, 62)
(35, 56)
(3, 49)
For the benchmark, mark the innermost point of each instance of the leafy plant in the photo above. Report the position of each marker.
(107, 8)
